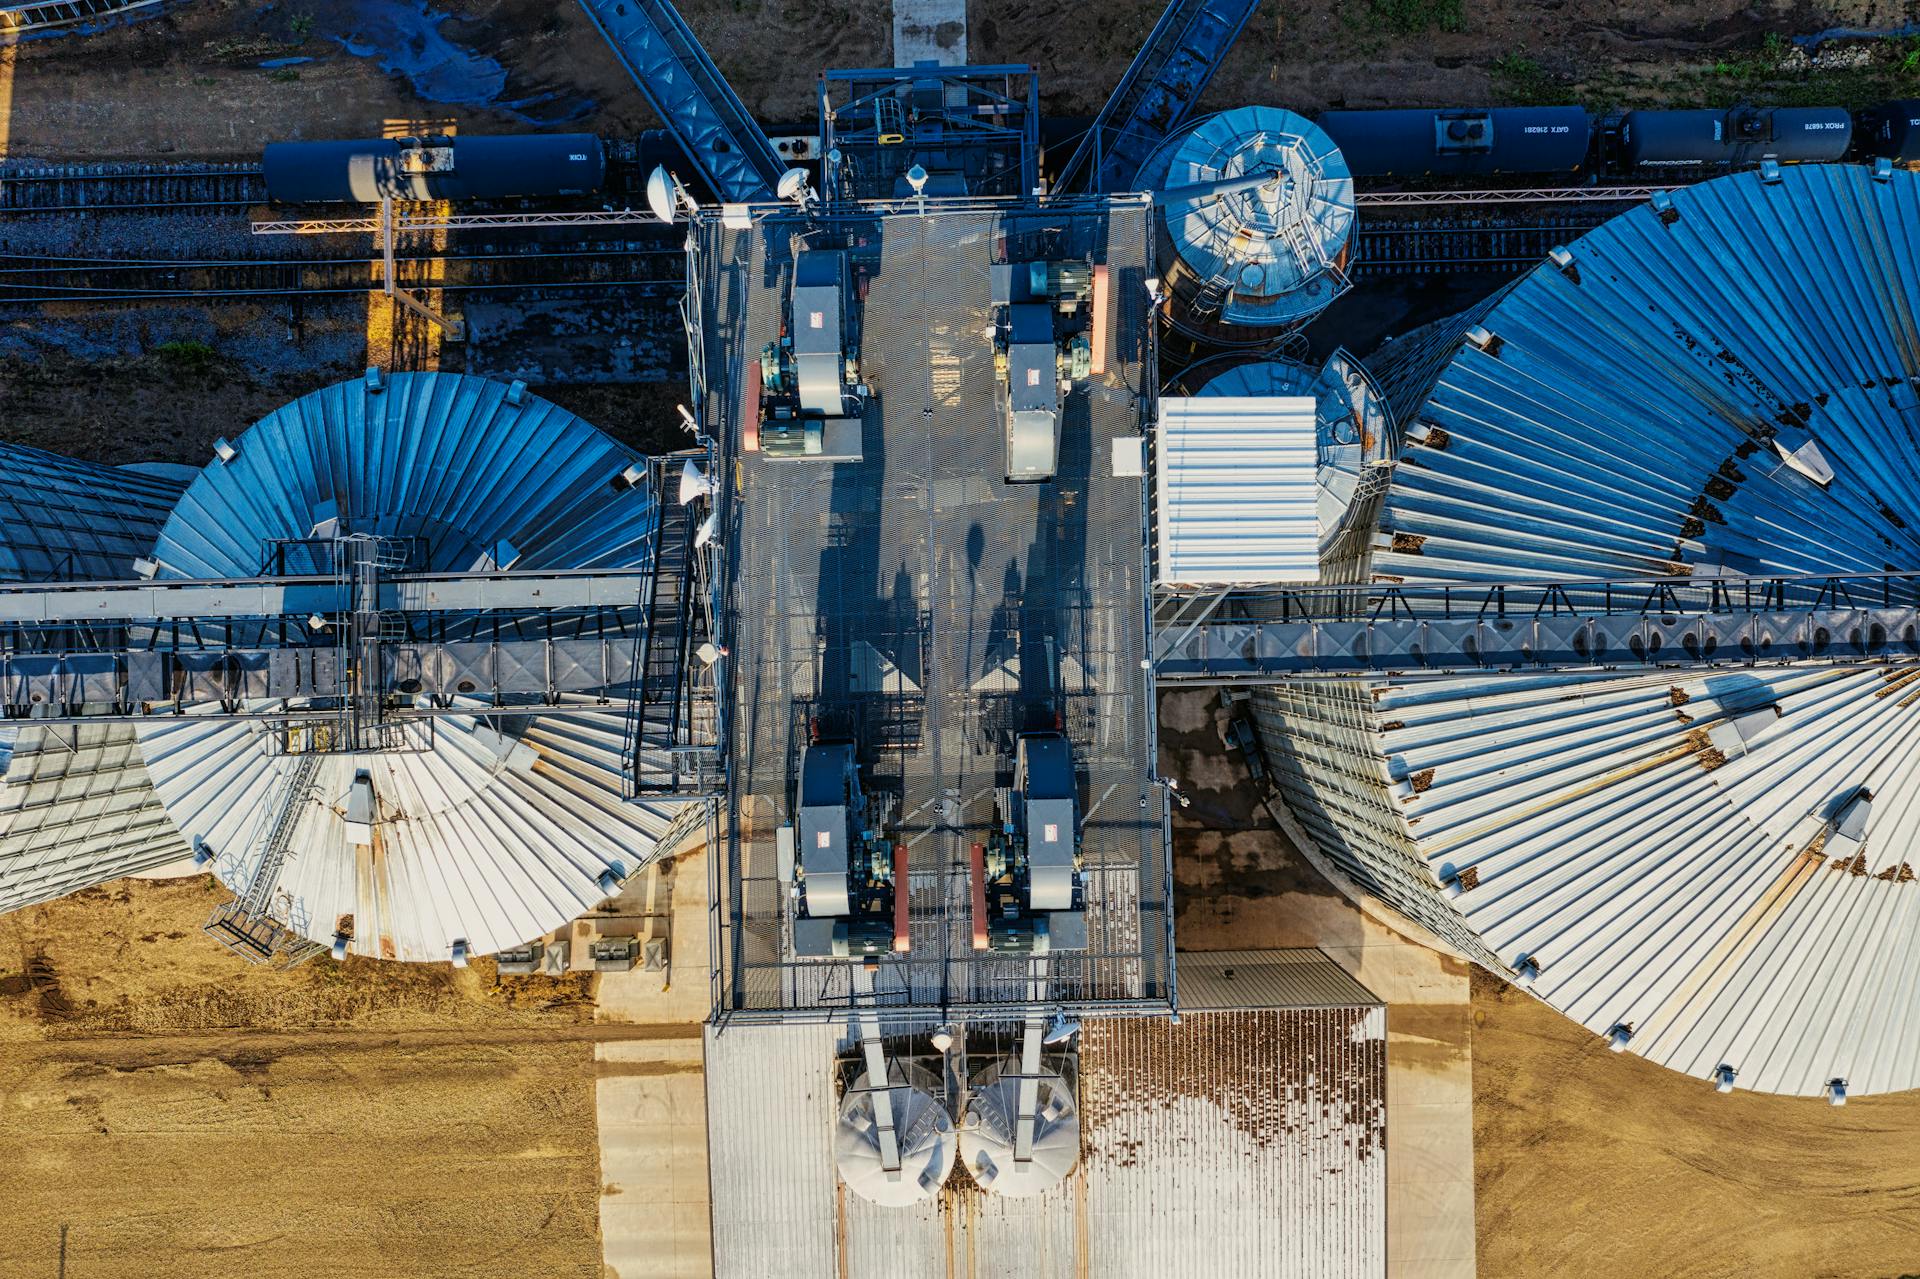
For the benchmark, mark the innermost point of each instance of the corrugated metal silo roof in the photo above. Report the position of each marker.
(1663, 869)
(472, 839)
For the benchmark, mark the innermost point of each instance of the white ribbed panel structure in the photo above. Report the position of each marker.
(1615, 838)
(1243, 1145)
(1238, 498)
(471, 840)
(467, 846)
(77, 809)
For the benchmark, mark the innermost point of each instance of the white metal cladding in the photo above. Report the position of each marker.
(1661, 884)
(1237, 493)
(1233, 1144)
(468, 843)
(1661, 873)
(77, 809)
(1605, 430)
(472, 840)
(1236, 1145)
(1353, 432)
(434, 455)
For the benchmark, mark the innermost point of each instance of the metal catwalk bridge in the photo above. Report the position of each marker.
(1441, 628)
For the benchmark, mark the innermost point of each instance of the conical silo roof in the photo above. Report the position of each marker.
(1714, 863)
(76, 807)
(505, 828)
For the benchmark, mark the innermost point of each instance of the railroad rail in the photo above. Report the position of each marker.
(95, 188)
(1428, 248)
(644, 265)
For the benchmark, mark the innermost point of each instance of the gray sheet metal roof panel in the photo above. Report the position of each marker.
(1237, 1144)
(1234, 1144)
(770, 1114)
(1607, 429)
(1232, 980)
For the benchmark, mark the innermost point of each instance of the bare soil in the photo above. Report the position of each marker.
(190, 83)
(172, 1111)
(81, 407)
(1585, 1157)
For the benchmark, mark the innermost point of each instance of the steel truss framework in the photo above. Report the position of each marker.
(1443, 628)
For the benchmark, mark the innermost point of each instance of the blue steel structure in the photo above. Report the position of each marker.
(690, 95)
(975, 130)
(1157, 93)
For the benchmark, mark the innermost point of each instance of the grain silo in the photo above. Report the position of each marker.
(76, 808)
(1709, 865)
(1243, 266)
(482, 831)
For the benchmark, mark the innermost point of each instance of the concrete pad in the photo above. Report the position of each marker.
(655, 1215)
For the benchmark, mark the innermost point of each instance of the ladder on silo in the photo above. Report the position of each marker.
(1155, 96)
(245, 926)
(662, 713)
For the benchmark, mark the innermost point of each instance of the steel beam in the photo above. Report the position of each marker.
(688, 93)
(1159, 89)
(1266, 652)
(300, 596)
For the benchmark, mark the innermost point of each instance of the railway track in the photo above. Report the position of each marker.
(642, 265)
(103, 188)
(1383, 248)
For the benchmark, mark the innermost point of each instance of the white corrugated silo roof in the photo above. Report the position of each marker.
(1237, 490)
(502, 830)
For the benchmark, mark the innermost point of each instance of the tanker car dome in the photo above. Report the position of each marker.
(1717, 859)
(987, 1139)
(1246, 265)
(488, 833)
(927, 1146)
(1353, 435)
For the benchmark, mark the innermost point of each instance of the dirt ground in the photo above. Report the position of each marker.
(1581, 1153)
(79, 407)
(191, 82)
(168, 1110)
(1584, 1160)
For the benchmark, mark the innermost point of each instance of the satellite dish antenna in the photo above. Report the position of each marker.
(917, 179)
(694, 483)
(663, 194)
(792, 186)
(708, 527)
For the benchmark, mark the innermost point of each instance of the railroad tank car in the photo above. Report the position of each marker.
(1453, 143)
(1892, 129)
(478, 167)
(1740, 136)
